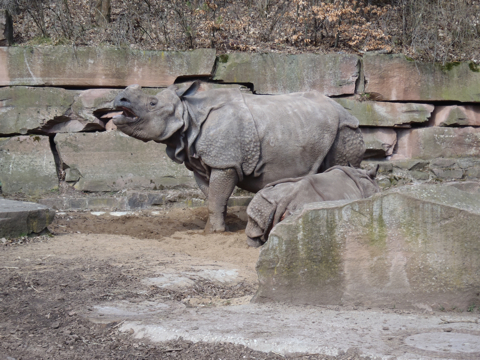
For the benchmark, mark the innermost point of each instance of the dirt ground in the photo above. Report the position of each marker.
(50, 284)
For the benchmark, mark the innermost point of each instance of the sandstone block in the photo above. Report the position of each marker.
(414, 247)
(24, 109)
(21, 218)
(94, 66)
(271, 73)
(395, 77)
(438, 142)
(27, 165)
(456, 115)
(379, 142)
(112, 161)
(371, 113)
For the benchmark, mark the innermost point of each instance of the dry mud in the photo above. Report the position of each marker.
(152, 285)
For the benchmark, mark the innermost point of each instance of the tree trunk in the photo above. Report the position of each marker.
(103, 9)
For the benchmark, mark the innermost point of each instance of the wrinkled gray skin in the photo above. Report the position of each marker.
(228, 138)
(278, 200)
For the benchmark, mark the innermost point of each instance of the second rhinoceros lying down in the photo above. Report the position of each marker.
(278, 200)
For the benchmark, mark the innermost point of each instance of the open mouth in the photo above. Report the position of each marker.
(121, 115)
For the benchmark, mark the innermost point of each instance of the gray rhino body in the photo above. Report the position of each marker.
(228, 138)
(279, 200)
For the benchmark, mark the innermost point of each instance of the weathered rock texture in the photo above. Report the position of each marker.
(90, 67)
(112, 161)
(401, 172)
(23, 109)
(395, 77)
(19, 218)
(456, 115)
(27, 165)
(331, 74)
(379, 142)
(413, 247)
(385, 114)
(438, 142)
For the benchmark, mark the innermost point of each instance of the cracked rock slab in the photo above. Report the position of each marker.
(386, 114)
(102, 67)
(112, 161)
(330, 74)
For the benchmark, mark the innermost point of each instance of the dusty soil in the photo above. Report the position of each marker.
(49, 284)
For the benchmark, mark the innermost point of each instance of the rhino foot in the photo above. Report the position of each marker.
(212, 228)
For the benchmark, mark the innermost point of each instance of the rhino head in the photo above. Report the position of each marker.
(147, 117)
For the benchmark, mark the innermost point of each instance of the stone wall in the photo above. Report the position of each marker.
(420, 121)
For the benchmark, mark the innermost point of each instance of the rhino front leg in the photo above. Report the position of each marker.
(220, 187)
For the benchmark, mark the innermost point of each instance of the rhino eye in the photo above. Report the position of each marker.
(153, 102)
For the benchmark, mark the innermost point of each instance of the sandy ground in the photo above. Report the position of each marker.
(152, 285)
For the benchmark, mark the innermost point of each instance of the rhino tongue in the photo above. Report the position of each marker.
(112, 114)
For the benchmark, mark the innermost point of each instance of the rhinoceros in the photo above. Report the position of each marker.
(278, 200)
(229, 138)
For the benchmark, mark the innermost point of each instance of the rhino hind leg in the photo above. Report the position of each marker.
(347, 149)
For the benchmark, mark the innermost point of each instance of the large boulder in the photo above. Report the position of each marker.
(386, 114)
(436, 142)
(112, 161)
(413, 247)
(27, 165)
(396, 77)
(271, 73)
(100, 66)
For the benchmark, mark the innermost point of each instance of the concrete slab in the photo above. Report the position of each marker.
(286, 329)
(20, 218)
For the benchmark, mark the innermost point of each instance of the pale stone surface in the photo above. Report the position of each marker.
(100, 66)
(271, 73)
(90, 100)
(379, 142)
(27, 165)
(456, 115)
(437, 142)
(394, 77)
(23, 109)
(20, 218)
(371, 113)
(416, 246)
(112, 161)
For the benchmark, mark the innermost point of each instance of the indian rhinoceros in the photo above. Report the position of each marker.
(230, 138)
(278, 200)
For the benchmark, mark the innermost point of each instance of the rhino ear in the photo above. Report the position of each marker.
(190, 90)
(373, 172)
